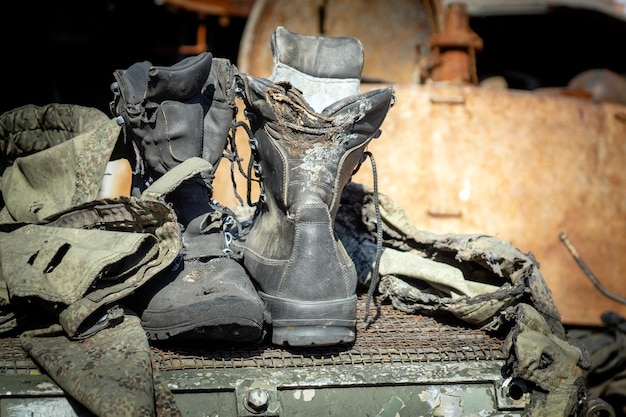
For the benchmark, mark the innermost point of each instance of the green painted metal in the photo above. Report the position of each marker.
(390, 389)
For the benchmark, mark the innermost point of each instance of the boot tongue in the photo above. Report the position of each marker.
(324, 69)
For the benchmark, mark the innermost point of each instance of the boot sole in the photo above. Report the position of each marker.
(311, 323)
(233, 331)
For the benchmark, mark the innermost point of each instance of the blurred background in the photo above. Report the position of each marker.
(66, 51)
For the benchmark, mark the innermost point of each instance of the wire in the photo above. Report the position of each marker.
(587, 271)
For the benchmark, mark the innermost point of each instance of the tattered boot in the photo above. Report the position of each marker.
(207, 296)
(309, 126)
(178, 119)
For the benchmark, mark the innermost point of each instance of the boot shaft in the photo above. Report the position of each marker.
(304, 160)
(305, 156)
(178, 112)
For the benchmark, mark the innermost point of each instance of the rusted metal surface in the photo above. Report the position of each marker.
(520, 166)
(615, 8)
(453, 56)
(14, 360)
(401, 365)
(225, 9)
(395, 337)
(234, 8)
(395, 33)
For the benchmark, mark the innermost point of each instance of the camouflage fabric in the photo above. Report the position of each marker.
(98, 252)
(74, 169)
(29, 129)
(471, 276)
(65, 253)
(551, 363)
(59, 265)
(112, 373)
(479, 279)
(82, 243)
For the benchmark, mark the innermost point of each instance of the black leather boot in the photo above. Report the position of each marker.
(178, 112)
(208, 295)
(174, 115)
(305, 156)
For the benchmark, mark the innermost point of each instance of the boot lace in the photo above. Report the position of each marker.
(229, 225)
(379, 239)
(232, 154)
(253, 172)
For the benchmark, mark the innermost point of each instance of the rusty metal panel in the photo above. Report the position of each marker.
(394, 337)
(238, 8)
(521, 166)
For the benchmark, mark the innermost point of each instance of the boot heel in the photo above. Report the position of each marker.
(308, 323)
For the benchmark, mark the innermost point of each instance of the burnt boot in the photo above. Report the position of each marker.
(175, 116)
(310, 127)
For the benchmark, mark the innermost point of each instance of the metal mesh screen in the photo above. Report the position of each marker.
(392, 337)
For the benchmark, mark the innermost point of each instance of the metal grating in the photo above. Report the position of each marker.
(394, 337)
(14, 360)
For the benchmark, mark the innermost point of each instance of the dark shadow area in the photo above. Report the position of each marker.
(66, 51)
(547, 50)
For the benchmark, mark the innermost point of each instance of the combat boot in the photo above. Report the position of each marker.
(310, 126)
(176, 117)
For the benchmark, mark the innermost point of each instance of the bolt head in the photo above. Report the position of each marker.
(257, 399)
